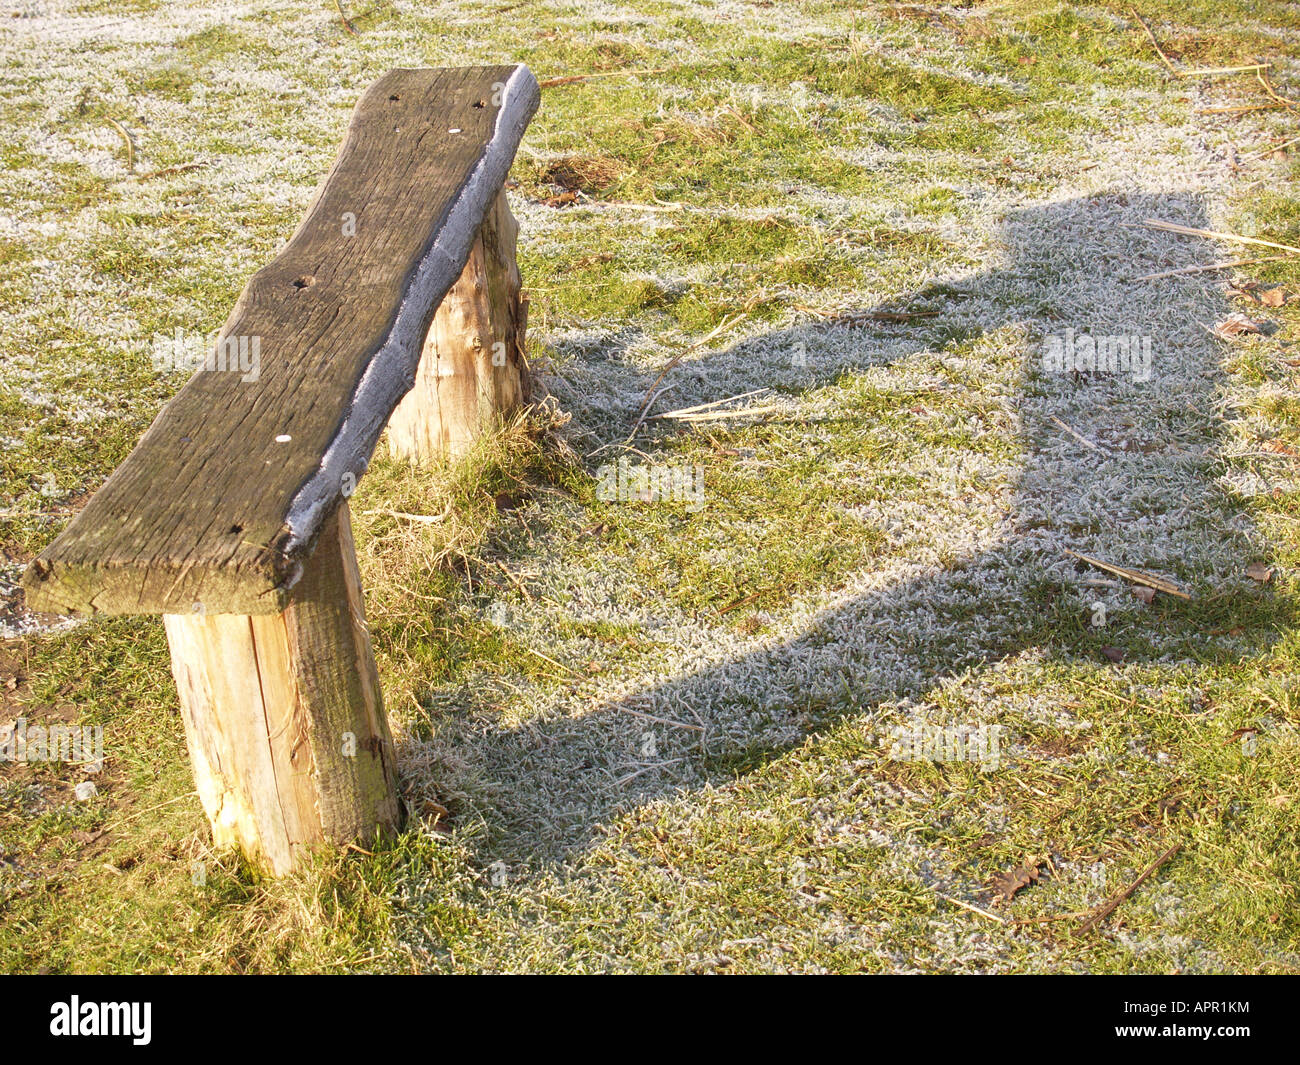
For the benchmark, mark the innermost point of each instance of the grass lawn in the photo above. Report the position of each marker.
(850, 701)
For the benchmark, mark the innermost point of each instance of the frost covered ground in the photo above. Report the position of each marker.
(661, 736)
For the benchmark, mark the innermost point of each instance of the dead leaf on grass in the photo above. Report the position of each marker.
(1004, 886)
(1259, 571)
(1235, 325)
(1255, 292)
(563, 199)
(438, 814)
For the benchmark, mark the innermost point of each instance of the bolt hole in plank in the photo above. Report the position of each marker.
(248, 554)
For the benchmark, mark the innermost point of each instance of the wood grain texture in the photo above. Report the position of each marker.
(283, 716)
(473, 371)
(220, 503)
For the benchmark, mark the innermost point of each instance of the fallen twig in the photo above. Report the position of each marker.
(1250, 68)
(523, 588)
(1271, 149)
(710, 415)
(646, 769)
(646, 410)
(715, 332)
(1268, 88)
(1208, 266)
(680, 411)
(1152, 37)
(741, 602)
(548, 658)
(1078, 436)
(1134, 575)
(973, 909)
(140, 813)
(661, 720)
(346, 24)
(1109, 908)
(676, 359)
(130, 148)
(1171, 227)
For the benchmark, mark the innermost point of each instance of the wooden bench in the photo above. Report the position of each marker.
(230, 517)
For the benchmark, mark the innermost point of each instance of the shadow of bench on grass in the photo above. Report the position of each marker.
(1148, 496)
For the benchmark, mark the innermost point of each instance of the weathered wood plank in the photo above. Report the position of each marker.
(221, 502)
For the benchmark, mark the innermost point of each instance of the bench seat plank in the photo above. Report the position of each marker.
(221, 502)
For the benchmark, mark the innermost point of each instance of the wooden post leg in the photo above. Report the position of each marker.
(284, 717)
(472, 369)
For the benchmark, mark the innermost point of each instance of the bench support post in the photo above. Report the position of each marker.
(472, 368)
(284, 718)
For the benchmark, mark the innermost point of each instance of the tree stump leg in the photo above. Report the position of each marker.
(472, 369)
(284, 718)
